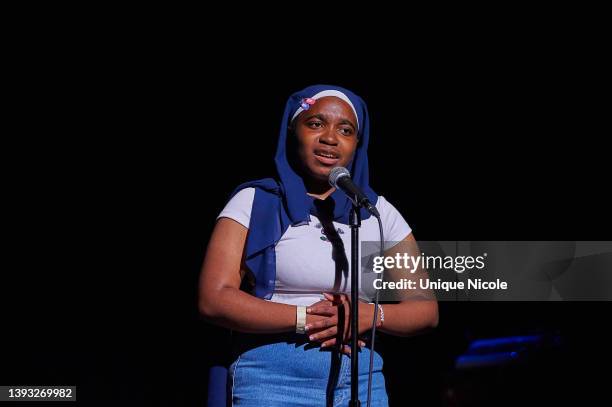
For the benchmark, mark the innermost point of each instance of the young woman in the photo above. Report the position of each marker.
(277, 266)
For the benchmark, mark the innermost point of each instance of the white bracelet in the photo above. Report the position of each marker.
(300, 319)
(382, 314)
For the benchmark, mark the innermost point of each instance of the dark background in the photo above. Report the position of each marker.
(119, 169)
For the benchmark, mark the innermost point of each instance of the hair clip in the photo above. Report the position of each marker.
(306, 103)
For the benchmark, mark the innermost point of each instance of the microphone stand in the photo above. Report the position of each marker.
(355, 224)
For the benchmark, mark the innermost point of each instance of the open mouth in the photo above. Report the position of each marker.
(327, 157)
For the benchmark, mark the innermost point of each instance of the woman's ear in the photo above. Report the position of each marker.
(291, 147)
(291, 141)
(291, 129)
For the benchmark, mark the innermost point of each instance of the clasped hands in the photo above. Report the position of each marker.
(328, 321)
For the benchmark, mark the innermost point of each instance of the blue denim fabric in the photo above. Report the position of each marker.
(285, 370)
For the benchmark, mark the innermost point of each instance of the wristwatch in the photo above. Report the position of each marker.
(300, 319)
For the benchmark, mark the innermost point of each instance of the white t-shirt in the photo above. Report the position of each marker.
(307, 263)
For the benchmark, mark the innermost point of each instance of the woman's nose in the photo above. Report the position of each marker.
(329, 137)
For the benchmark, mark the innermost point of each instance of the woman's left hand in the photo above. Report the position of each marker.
(336, 327)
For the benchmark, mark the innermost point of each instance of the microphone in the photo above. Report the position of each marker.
(340, 178)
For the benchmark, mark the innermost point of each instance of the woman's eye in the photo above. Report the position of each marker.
(315, 125)
(347, 131)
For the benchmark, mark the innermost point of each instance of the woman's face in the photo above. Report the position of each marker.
(326, 137)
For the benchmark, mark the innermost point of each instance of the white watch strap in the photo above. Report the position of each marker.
(300, 319)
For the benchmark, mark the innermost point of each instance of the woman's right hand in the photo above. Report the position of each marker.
(310, 318)
(326, 342)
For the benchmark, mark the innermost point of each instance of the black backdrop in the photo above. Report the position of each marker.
(116, 200)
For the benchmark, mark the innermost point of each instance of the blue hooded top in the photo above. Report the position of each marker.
(283, 202)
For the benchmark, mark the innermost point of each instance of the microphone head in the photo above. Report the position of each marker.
(336, 173)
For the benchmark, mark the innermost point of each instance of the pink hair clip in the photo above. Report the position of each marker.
(306, 103)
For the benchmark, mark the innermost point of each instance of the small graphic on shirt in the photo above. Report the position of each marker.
(324, 237)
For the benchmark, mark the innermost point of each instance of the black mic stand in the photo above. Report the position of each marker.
(355, 224)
